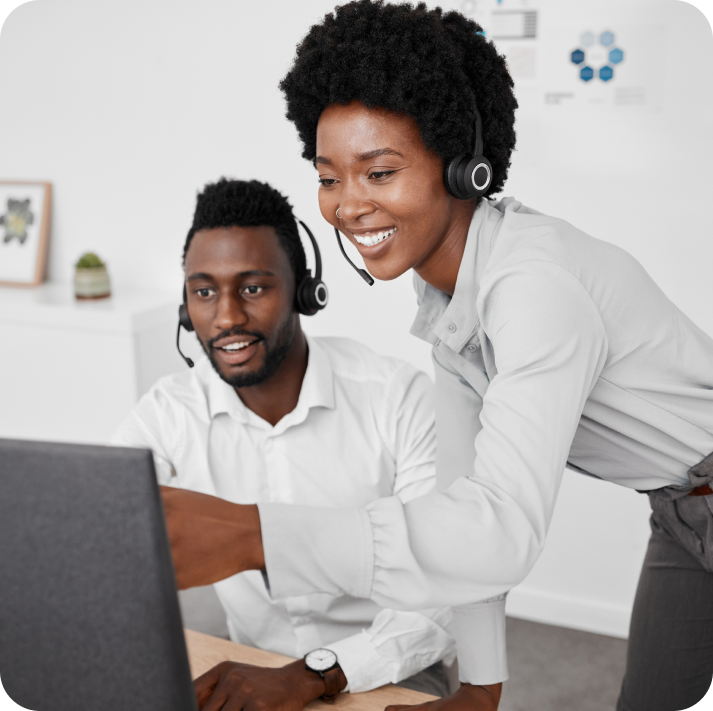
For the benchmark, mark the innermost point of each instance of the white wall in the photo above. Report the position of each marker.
(130, 106)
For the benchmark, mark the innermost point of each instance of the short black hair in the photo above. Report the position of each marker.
(430, 65)
(249, 203)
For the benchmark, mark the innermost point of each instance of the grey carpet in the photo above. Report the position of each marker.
(558, 669)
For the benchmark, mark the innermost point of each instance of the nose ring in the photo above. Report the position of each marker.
(338, 215)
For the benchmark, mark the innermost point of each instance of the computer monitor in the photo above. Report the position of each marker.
(89, 615)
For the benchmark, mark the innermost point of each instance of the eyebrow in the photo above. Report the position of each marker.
(247, 273)
(378, 152)
(364, 156)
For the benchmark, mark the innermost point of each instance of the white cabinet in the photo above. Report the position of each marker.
(71, 370)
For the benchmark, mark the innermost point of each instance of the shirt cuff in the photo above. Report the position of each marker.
(361, 663)
(479, 630)
(311, 549)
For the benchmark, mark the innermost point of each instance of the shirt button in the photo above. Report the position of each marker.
(452, 327)
(471, 348)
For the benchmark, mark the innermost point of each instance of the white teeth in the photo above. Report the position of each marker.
(236, 346)
(370, 240)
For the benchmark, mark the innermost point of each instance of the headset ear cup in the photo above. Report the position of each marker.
(478, 176)
(450, 176)
(183, 318)
(312, 296)
(321, 294)
(300, 298)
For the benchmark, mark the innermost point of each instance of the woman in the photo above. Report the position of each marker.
(550, 348)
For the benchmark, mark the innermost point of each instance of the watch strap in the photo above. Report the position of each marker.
(331, 684)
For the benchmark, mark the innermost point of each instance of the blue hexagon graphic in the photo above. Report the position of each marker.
(606, 73)
(586, 73)
(587, 39)
(577, 56)
(616, 56)
(606, 39)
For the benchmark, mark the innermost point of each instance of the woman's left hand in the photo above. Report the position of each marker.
(211, 539)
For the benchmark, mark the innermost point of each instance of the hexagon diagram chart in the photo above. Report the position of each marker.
(577, 56)
(597, 56)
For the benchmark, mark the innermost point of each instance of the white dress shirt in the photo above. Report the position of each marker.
(363, 429)
(556, 348)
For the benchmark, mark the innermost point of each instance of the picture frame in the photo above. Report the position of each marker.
(25, 216)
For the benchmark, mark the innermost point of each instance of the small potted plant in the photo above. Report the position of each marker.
(91, 279)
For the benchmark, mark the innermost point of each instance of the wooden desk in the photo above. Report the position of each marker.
(204, 652)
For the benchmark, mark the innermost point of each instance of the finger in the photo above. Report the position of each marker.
(236, 703)
(216, 700)
(218, 693)
(205, 684)
(203, 692)
(228, 692)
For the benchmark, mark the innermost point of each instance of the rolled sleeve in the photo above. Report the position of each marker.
(361, 663)
(312, 549)
(395, 647)
(479, 630)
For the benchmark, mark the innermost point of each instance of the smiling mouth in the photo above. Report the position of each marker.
(232, 347)
(369, 239)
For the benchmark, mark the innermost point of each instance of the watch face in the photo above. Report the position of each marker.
(321, 659)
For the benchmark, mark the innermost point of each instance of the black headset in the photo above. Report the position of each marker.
(311, 296)
(361, 272)
(469, 175)
(466, 176)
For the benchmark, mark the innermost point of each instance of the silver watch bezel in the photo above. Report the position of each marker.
(320, 663)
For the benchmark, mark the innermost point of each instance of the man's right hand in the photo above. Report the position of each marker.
(467, 698)
(211, 539)
(242, 687)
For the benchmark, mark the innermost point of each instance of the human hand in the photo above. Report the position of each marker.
(211, 539)
(242, 687)
(467, 698)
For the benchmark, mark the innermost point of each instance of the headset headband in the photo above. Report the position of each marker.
(317, 255)
(478, 143)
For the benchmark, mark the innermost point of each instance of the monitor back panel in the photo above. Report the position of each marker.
(89, 616)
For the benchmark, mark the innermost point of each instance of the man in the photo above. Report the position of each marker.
(273, 416)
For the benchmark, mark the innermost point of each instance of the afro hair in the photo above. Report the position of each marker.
(433, 66)
(249, 203)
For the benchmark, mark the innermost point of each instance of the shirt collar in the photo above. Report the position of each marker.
(453, 320)
(317, 390)
(317, 386)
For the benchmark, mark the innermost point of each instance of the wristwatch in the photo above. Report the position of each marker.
(324, 662)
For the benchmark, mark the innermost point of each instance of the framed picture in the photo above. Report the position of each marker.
(25, 209)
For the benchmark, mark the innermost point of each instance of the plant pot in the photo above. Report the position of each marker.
(92, 283)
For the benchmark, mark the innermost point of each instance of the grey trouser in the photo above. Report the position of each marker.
(670, 655)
